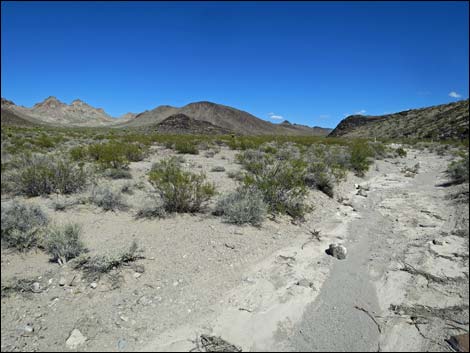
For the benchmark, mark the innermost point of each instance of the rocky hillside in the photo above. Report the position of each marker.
(10, 116)
(446, 121)
(55, 112)
(224, 117)
(183, 124)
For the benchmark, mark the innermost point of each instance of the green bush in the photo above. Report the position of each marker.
(186, 147)
(64, 242)
(458, 170)
(181, 191)
(281, 182)
(42, 174)
(242, 206)
(360, 157)
(114, 173)
(22, 225)
(401, 152)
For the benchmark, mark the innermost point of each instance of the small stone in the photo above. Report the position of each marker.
(305, 283)
(137, 275)
(337, 250)
(124, 318)
(75, 339)
(144, 301)
(36, 287)
(26, 330)
(238, 232)
(437, 242)
(62, 281)
(175, 283)
(122, 343)
(93, 285)
(249, 280)
(460, 343)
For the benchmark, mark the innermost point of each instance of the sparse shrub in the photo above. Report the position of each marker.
(242, 206)
(282, 182)
(61, 204)
(401, 152)
(152, 209)
(22, 225)
(209, 154)
(64, 242)
(186, 147)
(360, 157)
(181, 191)
(321, 179)
(458, 170)
(97, 265)
(127, 188)
(237, 175)
(114, 173)
(41, 175)
(115, 155)
(217, 169)
(107, 199)
(378, 149)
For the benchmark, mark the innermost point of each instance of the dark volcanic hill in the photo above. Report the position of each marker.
(446, 121)
(183, 124)
(224, 117)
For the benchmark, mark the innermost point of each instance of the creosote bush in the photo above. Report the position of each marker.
(361, 154)
(186, 147)
(22, 225)
(180, 190)
(38, 174)
(64, 242)
(242, 206)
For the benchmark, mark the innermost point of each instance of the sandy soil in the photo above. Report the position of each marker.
(263, 289)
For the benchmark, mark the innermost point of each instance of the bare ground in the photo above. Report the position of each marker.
(268, 288)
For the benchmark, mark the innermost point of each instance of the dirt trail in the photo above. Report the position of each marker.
(300, 299)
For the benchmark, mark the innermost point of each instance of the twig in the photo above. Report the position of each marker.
(245, 309)
(371, 316)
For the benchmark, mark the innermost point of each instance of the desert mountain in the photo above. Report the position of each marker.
(224, 117)
(445, 121)
(10, 115)
(53, 111)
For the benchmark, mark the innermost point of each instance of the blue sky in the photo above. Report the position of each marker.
(310, 63)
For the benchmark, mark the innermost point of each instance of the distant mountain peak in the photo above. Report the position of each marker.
(286, 122)
(50, 102)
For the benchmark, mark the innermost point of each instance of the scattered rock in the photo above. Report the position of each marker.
(144, 301)
(137, 275)
(62, 281)
(337, 250)
(437, 242)
(362, 192)
(75, 339)
(93, 285)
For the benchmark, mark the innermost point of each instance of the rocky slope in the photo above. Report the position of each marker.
(53, 111)
(446, 121)
(183, 124)
(11, 116)
(224, 117)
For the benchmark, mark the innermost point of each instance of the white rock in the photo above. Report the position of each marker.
(94, 285)
(36, 287)
(62, 281)
(338, 251)
(137, 275)
(75, 339)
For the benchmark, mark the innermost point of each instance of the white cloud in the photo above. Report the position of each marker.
(275, 117)
(454, 94)
(360, 112)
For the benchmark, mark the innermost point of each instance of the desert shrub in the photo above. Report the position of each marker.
(360, 157)
(61, 204)
(209, 154)
(217, 169)
(378, 149)
(127, 188)
(115, 173)
(22, 225)
(115, 155)
(107, 199)
(78, 153)
(152, 209)
(42, 174)
(458, 170)
(401, 152)
(64, 242)
(322, 180)
(237, 175)
(281, 182)
(186, 147)
(181, 191)
(96, 265)
(242, 206)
